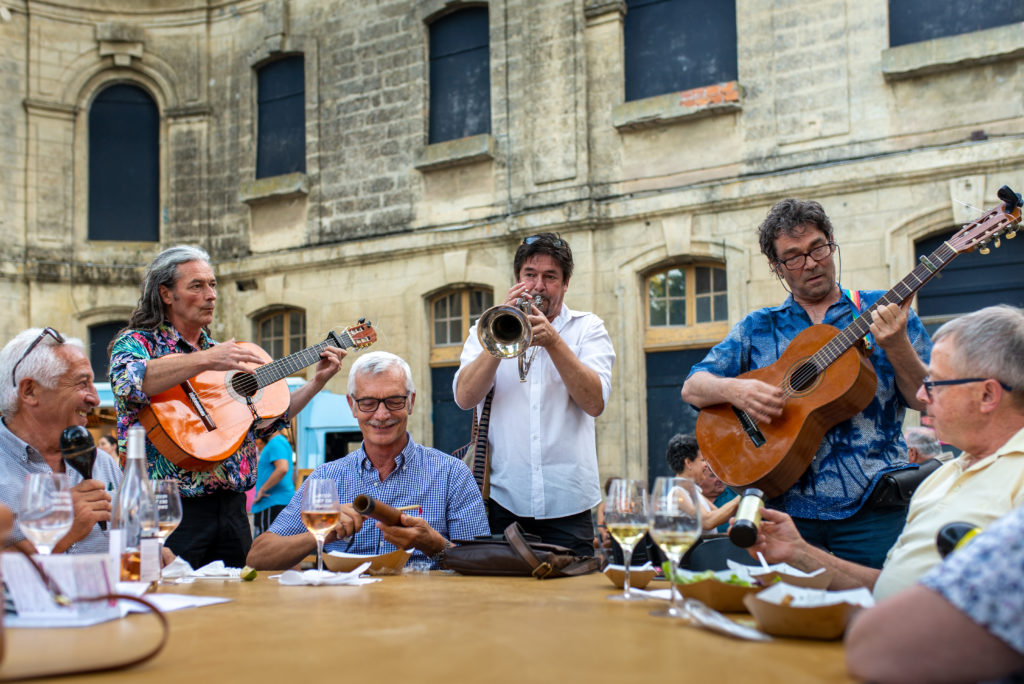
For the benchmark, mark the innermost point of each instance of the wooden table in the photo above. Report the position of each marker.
(427, 628)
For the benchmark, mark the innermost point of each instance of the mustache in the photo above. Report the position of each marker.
(382, 423)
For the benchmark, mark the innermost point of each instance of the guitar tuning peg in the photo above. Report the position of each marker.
(362, 320)
(984, 248)
(997, 243)
(1010, 234)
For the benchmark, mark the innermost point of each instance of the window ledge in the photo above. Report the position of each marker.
(286, 186)
(953, 52)
(721, 98)
(472, 149)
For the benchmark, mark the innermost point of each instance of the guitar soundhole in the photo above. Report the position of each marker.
(803, 377)
(245, 384)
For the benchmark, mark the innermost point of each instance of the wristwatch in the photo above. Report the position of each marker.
(441, 556)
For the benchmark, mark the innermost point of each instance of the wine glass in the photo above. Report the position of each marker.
(168, 512)
(46, 513)
(625, 515)
(320, 511)
(675, 526)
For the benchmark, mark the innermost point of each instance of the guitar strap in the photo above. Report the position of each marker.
(855, 300)
(481, 451)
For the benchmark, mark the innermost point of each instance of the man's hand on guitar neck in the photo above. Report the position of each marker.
(167, 371)
(762, 401)
(889, 328)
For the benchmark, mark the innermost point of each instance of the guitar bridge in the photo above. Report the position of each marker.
(750, 427)
(197, 405)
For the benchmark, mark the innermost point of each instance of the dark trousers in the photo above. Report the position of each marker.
(575, 532)
(864, 537)
(213, 527)
(261, 521)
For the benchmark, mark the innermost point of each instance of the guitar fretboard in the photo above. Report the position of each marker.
(283, 367)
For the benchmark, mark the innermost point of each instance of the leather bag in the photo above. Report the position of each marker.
(895, 489)
(516, 556)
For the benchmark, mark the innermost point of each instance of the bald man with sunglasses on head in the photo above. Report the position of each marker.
(543, 463)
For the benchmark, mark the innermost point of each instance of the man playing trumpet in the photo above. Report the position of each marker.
(543, 456)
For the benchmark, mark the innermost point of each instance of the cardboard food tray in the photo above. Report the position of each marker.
(718, 595)
(819, 581)
(638, 577)
(817, 622)
(384, 564)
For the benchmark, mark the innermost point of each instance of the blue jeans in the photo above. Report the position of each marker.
(865, 537)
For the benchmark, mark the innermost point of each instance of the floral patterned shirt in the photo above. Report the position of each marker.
(985, 581)
(131, 353)
(855, 453)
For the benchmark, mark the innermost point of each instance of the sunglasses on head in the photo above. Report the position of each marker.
(46, 331)
(557, 242)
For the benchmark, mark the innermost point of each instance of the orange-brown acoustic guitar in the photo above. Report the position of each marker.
(825, 376)
(202, 421)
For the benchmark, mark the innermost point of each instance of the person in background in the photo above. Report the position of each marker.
(275, 484)
(923, 445)
(716, 492)
(108, 443)
(960, 623)
(45, 386)
(685, 460)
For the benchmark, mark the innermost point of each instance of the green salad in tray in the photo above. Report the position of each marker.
(687, 577)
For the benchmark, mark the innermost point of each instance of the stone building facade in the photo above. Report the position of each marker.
(381, 223)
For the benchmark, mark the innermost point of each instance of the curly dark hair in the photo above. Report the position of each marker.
(544, 243)
(681, 449)
(784, 217)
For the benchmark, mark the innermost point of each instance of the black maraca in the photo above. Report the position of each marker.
(79, 451)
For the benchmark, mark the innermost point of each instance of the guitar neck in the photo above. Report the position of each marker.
(925, 270)
(283, 367)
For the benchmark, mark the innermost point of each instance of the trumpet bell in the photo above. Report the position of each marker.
(504, 331)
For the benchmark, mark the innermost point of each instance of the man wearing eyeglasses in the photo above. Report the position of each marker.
(390, 467)
(830, 503)
(543, 454)
(974, 393)
(166, 343)
(46, 387)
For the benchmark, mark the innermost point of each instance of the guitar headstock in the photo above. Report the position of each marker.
(361, 335)
(990, 226)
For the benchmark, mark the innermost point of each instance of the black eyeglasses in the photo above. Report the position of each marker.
(46, 331)
(819, 253)
(370, 404)
(556, 242)
(929, 384)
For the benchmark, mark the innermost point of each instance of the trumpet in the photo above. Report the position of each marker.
(505, 332)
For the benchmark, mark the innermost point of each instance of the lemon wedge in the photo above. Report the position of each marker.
(248, 574)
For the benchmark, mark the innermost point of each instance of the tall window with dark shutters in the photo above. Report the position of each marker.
(281, 117)
(460, 75)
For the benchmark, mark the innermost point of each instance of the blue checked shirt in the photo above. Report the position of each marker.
(441, 484)
(855, 453)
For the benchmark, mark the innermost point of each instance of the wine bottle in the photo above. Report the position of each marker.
(743, 532)
(135, 509)
(954, 536)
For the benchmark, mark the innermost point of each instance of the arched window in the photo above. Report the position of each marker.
(281, 117)
(460, 75)
(686, 303)
(281, 332)
(124, 165)
(675, 45)
(452, 314)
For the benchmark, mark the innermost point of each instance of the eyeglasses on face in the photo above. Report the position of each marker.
(819, 253)
(929, 384)
(46, 331)
(557, 242)
(370, 404)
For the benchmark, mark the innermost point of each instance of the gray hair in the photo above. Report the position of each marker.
(989, 343)
(924, 440)
(43, 364)
(377, 362)
(163, 270)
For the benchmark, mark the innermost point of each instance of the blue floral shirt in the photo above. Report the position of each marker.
(131, 352)
(855, 453)
(985, 581)
(440, 484)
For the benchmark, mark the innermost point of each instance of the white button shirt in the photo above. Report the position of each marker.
(543, 447)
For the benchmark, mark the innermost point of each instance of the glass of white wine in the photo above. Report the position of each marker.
(625, 515)
(320, 512)
(46, 513)
(674, 514)
(168, 511)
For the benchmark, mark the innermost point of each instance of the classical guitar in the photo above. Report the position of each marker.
(825, 376)
(202, 421)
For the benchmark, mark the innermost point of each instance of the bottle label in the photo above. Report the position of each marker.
(149, 560)
(750, 509)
